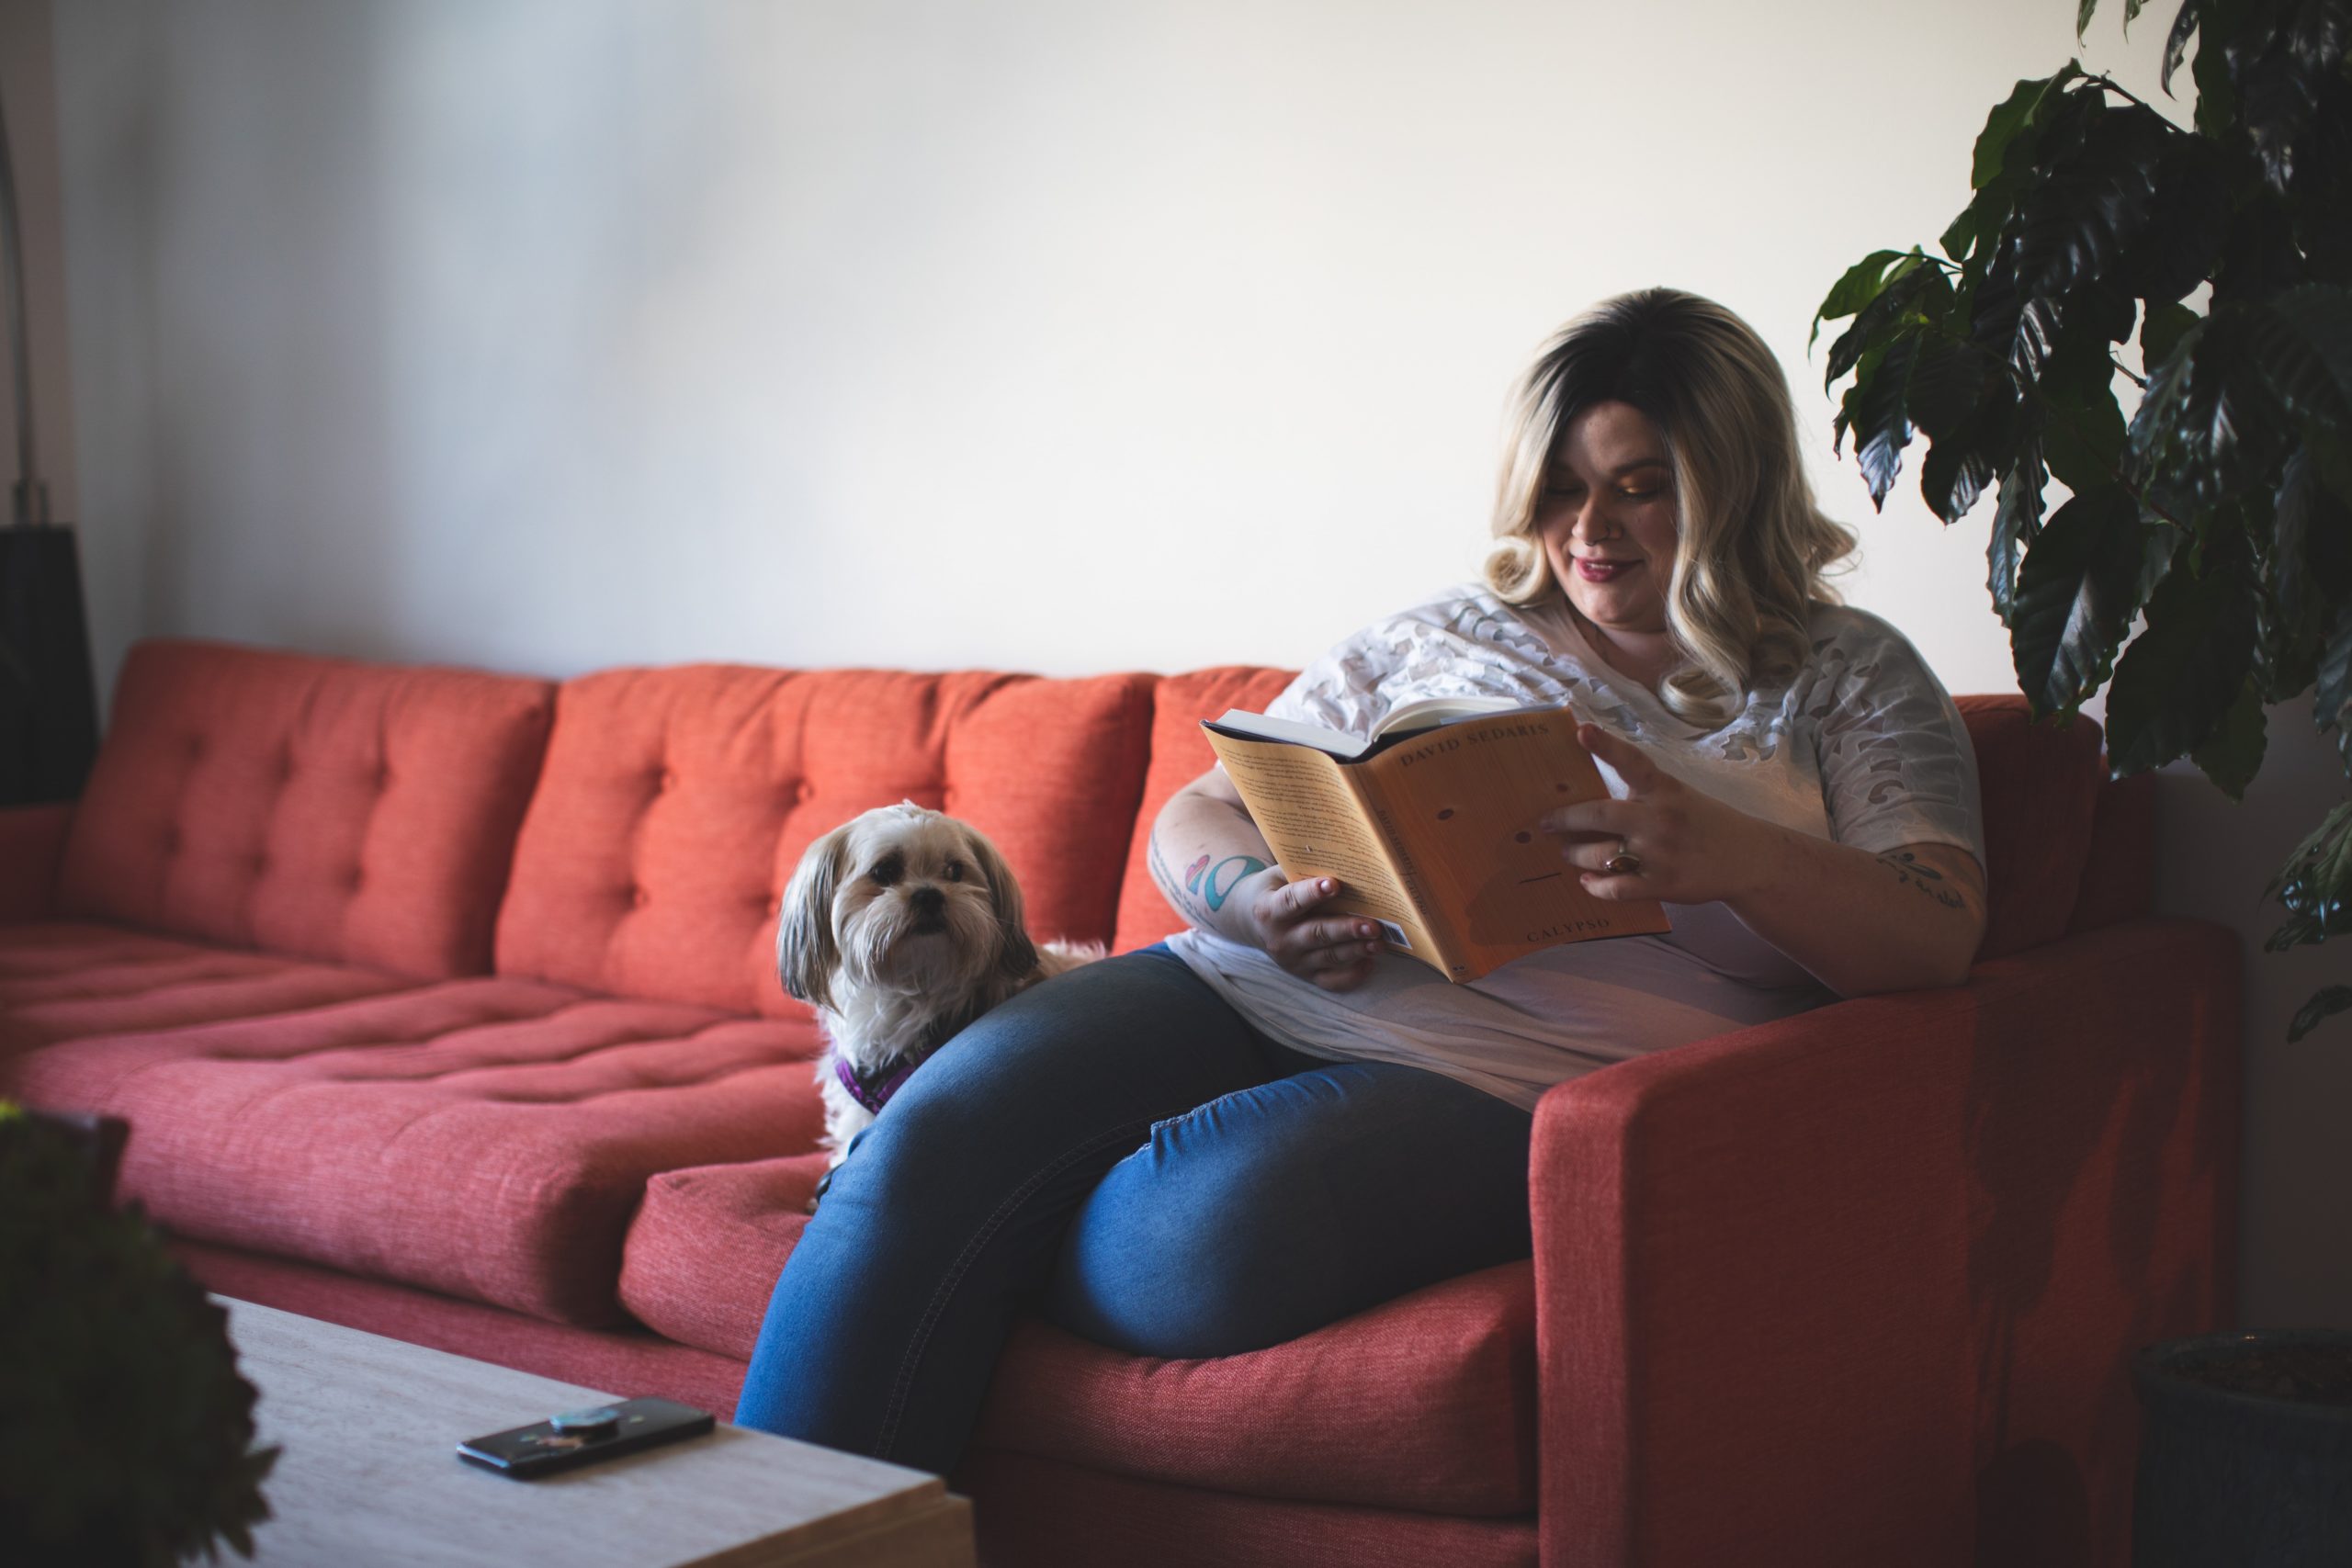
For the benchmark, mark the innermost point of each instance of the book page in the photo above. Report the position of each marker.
(1461, 803)
(1308, 815)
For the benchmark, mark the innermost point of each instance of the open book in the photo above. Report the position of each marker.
(1429, 824)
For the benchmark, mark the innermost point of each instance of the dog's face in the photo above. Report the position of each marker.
(905, 900)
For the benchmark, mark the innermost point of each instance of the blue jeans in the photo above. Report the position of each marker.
(1121, 1152)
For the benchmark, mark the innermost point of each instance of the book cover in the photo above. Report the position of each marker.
(1429, 826)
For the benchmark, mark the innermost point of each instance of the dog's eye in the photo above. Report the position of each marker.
(888, 870)
(954, 871)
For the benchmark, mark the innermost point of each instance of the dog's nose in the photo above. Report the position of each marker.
(929, 900)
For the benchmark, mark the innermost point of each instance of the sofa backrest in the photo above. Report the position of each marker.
(2047, 805)
(315, 808)
(676, 803)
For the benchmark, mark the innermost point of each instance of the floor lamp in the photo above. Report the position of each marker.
(48, 707)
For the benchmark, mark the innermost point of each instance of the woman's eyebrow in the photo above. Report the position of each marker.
(1621, 469)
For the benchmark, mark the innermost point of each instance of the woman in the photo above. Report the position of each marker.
(1269, 1123)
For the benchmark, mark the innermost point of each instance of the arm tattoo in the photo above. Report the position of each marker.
(1215, 882)
(1179, 893)
(1911, 871)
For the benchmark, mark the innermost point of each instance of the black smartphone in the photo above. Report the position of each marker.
(583, 1437)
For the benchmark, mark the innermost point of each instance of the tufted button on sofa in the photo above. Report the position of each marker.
(443, 1004)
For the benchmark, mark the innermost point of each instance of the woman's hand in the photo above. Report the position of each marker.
(1692, 849)
(1292, 923)
(1862, 923)
(1214, 869)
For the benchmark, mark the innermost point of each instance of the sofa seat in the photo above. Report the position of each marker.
(1426, 1403)
(487, 1138)
(66, 979)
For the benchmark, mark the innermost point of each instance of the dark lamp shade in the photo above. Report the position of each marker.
(49, 719)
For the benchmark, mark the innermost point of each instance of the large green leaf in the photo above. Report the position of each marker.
(1877, 322)
(2259, 255)
(2004, 157)
(2184, 27)
(2324, 1004)
(2217, 93)
(2015, 524)
(2077, 589)
(2232, 755)
(1882, 423)
(2021, 331)
(2316, 884)
(2173, 685)
(2161, 332)
(2083, 440)
(1948, 383)
(1968, 451)
(2308, 526)
(1954, 476)
(2188, 216)
(1855, 287)
(2280, 71)
(2318, 315)
(2089, 203)
(2020, 108)
(2230, 431)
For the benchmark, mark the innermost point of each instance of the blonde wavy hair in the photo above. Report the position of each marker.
(1752, 546)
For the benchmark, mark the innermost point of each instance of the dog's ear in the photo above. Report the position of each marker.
(806, 955)
(1018, 956)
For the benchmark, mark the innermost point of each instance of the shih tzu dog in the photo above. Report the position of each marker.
(902, 926)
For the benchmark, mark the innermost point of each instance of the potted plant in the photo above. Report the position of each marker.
(126, 1434)
(2206, 264)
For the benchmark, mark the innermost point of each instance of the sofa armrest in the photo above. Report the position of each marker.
(1859, 1285)
(32, 842)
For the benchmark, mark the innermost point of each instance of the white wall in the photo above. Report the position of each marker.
(28, 86)
(547, 334)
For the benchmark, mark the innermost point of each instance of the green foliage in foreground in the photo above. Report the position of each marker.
(2207, 263)
(126, 1434)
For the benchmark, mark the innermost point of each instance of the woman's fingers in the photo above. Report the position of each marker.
(1590, 854)
(1610, 816)
(1333, 950)
(1627, 759)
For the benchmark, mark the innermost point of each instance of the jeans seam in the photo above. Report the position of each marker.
(902, 1387)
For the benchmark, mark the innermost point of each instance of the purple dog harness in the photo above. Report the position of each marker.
(874, 1093)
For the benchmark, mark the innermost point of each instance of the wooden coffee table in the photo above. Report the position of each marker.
(369, 1474)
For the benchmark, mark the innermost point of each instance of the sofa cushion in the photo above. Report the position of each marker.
(1427, 1402)
(66, 979)
(1179, 755)
(487, 1138)
(706, 1246)
(2040, 785)
(312, 807)
(677, 802)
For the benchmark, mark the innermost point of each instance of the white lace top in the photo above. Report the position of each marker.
(1863, 747)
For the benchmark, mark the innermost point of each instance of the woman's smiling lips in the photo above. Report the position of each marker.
(1593, 570)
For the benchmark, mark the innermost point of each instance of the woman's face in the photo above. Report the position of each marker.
(1606, 519)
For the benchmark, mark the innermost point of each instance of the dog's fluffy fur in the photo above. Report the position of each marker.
(902, 926)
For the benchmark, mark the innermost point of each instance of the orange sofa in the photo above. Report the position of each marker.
(442, 1004)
